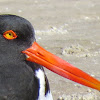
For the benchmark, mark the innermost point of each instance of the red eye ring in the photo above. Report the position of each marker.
(10, 35)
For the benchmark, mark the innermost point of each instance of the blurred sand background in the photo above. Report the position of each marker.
(71, 30)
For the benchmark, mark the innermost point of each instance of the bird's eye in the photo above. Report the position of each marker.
(10, 35)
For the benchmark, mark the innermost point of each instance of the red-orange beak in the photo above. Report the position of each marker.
(39, 55)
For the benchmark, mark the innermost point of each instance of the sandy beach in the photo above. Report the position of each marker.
(69, 29)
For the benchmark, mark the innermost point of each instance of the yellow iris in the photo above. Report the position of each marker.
(9, 35)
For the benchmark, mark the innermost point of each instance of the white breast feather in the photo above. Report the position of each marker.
(41, 77)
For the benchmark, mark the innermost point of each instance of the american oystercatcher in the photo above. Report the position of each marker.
(22, 76)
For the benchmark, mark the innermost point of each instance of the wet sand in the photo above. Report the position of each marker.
(71, 30)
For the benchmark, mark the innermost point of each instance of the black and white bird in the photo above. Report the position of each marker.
(22, 76)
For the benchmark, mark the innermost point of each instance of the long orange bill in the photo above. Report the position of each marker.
(39, 55)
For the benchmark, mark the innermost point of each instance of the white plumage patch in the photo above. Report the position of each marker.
(48, 96)
(40, 75)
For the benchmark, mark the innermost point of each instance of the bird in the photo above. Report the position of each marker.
(22, 59)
